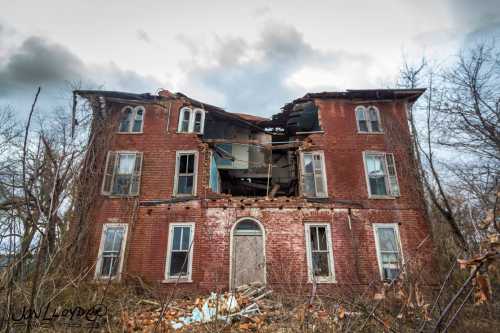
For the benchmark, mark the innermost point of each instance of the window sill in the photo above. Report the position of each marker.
(185, 196)
(100, 280)
(114, 196)
(195, 133)
(375, 133)
(323, 281)
(382, 197)
(177, 280)
(133, 133)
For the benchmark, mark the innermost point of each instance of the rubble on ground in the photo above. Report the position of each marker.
(248, 306)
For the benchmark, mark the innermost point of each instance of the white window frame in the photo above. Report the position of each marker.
(366, 112)
(133, 115)
(118, 153)
(181, 278)
(323, 168)
(178, 153)
(98, 266)
(192, 116)
(307, 236)
(181, 117)
(390, 194)
(395, 227)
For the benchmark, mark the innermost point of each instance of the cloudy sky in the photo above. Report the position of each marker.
(245, 56)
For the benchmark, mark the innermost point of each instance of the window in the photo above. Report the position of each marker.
(180, 251)
(191, 121)
(214, 181)
(184, 120)
(198, 121)
(381, 175)
(185, 173)
(110, 258)
(131, 120)
(319, 252)
(389, 256)
(313, 175)
(122, 175)
(368, 119)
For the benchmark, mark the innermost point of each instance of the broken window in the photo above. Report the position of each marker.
(313, 175)
(110, 257)
(131, 120)
(319, 252)
(179, 258)
(214, 182)
(122, 174)
(368, 119)
(185, 178)
(388, 250)
(381, 174)
(191, 121)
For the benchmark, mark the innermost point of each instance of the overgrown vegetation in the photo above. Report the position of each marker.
(45, 165)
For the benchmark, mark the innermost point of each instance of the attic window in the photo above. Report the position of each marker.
(191, 121)
(368, 119)
(132, 119)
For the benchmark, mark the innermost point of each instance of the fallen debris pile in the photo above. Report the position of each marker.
(248, 308)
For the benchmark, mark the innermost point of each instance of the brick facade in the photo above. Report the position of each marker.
(349, 212)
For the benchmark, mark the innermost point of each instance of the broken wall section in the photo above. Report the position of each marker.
(259, 157)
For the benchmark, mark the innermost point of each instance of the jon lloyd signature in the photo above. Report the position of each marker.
(45, 316)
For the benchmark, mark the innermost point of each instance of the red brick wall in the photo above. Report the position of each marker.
(353, 250)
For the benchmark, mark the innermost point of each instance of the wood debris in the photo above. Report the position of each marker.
(247, 309)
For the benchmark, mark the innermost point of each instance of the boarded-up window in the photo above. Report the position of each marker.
(313, 175)
(122, 174)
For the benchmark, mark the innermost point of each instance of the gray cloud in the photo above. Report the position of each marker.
(40, 62)
(36, 62)
(143, 36)
(254, 77)
(480, 19)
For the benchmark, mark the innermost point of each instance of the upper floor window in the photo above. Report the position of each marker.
(122, 175)
(110, 257)
(313, 175)
(381, 175)
(191, 121)
(185, 173)
(132, 119)
(368, 119)
(388, 245)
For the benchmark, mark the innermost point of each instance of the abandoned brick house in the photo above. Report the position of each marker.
(197, 197)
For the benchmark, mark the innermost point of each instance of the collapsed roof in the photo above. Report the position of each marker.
(298, 116)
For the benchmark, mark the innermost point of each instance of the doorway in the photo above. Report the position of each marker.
(248, 263)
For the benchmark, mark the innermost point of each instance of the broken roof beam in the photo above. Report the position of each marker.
(286, 146)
